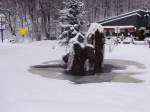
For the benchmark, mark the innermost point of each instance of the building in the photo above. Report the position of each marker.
(127, 22)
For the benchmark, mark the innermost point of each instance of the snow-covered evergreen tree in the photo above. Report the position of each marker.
(71, 19)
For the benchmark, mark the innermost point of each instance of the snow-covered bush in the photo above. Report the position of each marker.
(71, 19)
(92, 29)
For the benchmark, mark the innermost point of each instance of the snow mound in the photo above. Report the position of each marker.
(76, 37)
(93, 28)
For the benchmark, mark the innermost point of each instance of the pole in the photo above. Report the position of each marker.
(2, 35)
(1, 30)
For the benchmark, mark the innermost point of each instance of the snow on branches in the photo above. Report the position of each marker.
(71, 19)
(93, 28)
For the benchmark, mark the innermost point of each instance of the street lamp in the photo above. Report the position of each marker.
(2, 25)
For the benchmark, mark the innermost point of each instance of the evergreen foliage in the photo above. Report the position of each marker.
(71, 19)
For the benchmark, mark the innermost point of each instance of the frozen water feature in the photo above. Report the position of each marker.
(114, 70)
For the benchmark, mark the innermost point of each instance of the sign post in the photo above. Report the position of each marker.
(2, 35)
(2, 26)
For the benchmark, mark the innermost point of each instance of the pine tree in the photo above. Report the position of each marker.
(71, 19)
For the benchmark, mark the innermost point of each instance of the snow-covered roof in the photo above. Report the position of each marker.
(128, 13)
(93, 28)
(118, 18)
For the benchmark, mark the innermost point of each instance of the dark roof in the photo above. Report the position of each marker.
(130, 18)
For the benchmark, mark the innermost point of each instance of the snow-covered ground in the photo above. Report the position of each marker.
(22, 91)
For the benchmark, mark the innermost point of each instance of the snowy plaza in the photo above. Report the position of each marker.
(74, 55)
(122, 89)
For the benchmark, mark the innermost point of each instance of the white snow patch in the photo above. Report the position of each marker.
(93, 28)
(22, 91)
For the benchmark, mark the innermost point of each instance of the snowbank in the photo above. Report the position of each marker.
(93, 28)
